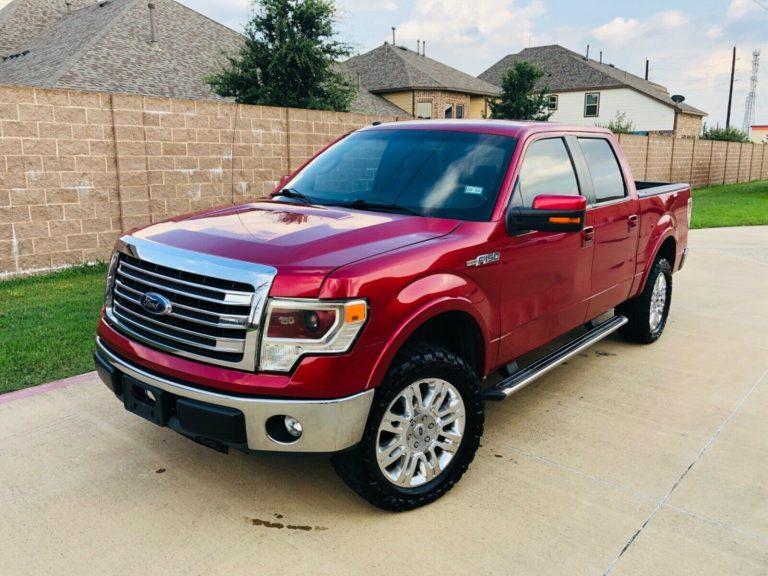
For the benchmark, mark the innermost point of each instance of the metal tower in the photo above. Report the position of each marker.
(749, 108)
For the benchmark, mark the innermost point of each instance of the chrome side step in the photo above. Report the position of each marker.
(525, 376)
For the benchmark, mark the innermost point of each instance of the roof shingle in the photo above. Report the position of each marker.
(566, 70)
(392, 68)
(106, 47)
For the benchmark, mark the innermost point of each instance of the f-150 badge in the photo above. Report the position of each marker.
(484, 259)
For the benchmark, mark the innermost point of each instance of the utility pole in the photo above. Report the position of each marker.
(730, 90)
(646, 68)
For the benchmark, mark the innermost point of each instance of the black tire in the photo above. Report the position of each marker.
(359, 467)
(638, 309)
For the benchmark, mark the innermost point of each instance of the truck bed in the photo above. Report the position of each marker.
(645, 188)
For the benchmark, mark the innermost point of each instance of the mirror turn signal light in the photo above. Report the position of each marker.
(564, 220)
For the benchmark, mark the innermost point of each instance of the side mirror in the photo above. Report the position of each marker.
(549, 213)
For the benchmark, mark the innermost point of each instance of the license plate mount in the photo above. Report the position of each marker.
(146, 401)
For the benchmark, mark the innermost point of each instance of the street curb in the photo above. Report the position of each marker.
(40, 389)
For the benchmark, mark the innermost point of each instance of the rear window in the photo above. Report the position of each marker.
(432, 173)
(604, 168)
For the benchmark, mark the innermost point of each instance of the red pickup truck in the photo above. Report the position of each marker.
(396, 281)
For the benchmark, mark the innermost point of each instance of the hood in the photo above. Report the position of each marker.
(304, 243)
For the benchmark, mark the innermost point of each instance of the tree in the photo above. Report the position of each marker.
(519, 99)
(288, 58)
(730, 134)
(619, 124)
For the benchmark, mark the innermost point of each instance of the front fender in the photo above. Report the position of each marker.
(417, 303)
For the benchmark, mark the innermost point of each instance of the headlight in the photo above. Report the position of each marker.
(110, 279)
(294, 328)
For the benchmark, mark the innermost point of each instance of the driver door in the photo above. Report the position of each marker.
(546, 275)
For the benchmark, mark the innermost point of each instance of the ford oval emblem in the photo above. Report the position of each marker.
(155, 303)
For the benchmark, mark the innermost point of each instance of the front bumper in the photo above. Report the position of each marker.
(329, 425)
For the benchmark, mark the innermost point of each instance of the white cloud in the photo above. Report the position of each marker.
(618, 30)
(714, 32)
(450, 27)
(740, 8)
(360, 6)
(622, 30)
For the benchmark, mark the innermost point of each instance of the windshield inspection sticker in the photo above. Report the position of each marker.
(476, 190)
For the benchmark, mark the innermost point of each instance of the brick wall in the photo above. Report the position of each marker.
(77, 169)
(636, 149)
(687, 125)
(440, 99)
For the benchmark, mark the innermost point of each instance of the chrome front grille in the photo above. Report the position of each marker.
(215, 303)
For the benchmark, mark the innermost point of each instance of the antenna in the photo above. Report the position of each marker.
(749, 108)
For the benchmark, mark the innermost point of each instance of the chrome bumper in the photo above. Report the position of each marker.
(329, 425)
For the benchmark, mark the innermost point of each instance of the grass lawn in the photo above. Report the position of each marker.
(731, 205)
(47, 326)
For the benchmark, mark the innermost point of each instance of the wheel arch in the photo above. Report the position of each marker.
(665, 246)
(453, 323)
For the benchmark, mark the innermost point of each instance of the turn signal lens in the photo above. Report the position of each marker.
(355, 312)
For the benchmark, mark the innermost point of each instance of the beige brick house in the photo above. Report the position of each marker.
(420, 86)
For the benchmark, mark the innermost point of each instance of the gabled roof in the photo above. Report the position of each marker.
(393, 68)
(367, 102)
(566, 70)
(21, 20)
(105, 46)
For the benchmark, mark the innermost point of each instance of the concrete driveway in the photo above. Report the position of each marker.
(628, 460)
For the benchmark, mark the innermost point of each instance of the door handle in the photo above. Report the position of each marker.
(632, 221)
(587, 236)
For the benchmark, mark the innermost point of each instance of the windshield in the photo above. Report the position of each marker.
(426, 172)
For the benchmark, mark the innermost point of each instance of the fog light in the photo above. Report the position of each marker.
(293, 427)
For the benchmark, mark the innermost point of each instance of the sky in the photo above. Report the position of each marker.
(688, 43)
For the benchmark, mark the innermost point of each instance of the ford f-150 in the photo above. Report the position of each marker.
(395, 282)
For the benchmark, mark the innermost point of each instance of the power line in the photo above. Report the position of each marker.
(763, 6)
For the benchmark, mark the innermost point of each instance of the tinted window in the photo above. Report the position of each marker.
(433, 173)
(546, 169)
(604, 168)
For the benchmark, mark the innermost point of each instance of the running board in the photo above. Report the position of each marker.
(525, 376)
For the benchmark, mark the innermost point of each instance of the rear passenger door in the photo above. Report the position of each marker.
(614, 221)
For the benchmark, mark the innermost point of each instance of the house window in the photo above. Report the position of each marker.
(448, 111)
(591, 104)
(459, 110)
(424, 110)
(552, 102)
